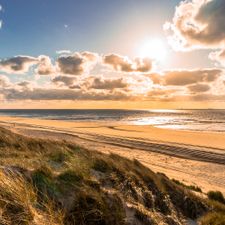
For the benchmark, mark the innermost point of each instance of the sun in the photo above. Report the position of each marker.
(154, 49)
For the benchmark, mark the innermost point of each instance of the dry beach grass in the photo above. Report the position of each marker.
(59, 182)
(195, 158)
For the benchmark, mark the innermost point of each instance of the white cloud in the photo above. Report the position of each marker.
(124, 64)
(198, 24)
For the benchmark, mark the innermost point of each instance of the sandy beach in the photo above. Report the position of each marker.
(196, 158)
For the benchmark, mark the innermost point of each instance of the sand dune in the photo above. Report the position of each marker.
(193, 157)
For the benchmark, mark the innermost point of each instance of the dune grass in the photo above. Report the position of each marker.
(216, 196)
(48, 182)
(191, 187)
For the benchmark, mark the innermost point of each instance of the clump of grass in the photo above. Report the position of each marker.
(214, 218)
(143, 218)
(93, 184)
(59, 156)
(16, 199)
(194, 188)
(19, 204)
(101, 165)
(190, 187)
(96, 208)
(43, 181)
(70, 177)
(216, 214)
(216, 196)
(189, 204)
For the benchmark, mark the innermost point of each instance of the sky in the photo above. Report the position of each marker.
(112, 54)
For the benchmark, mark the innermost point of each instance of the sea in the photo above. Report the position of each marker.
(195, 120)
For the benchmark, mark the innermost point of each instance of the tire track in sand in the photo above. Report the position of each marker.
(184, 152)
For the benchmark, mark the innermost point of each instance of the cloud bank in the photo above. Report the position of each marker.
(72, 76)
(185, 77)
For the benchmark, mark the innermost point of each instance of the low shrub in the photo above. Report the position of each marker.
(190, 187)
(213, 218)
(70, 177)
(101, 165)
(216, 196)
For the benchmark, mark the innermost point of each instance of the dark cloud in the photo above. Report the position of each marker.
(64, 94)
(185, 77)
(68, 81)
(124, 64)
(76, 64)
(199, 88)
(25, 85)
(98, 83)
(208, 97)
(17, 64)
(108, 84)
(71, 65)
(176, 97)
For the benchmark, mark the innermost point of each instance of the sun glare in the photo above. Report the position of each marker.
(154, 49)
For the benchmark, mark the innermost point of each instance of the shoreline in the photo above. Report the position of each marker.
(205, 124)
(196, 138)
(180, 155)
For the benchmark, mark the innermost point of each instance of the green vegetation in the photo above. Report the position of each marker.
(216, 215)
(59, 156)
(216, 196)
(191, 187)
(214, 218)
(58, 183)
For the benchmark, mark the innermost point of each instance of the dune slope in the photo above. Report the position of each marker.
(51, 182)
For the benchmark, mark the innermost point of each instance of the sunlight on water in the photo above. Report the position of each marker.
(153, 120)
(198, 120)
(166, 110)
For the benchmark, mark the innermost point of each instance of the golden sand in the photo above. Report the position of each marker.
(206, 175)
(208, 139)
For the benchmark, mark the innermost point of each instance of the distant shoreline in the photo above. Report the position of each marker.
(205, 139)
(182, 120)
